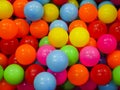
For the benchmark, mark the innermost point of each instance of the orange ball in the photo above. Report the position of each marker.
(118, 14)
(92, 42)
(8, 29)
(77, 23)
(78, 74)
(88, 12)
(25, 54)
(18, 7)
(23, 27)
(113, 59)
(39, 28)
(3, 60)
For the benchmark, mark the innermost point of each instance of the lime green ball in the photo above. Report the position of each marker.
(72, 53)
(1, 72)
(14, 74)
(44, 41)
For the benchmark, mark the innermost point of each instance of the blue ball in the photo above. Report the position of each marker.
(44, 81)
(59, 23)
(68, 12)
(57, 61)
(104, 2)
(43, 1)
(110, 86)
(88, 1)
(33, 10)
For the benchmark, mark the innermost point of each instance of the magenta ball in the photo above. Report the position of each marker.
(42, 53)
(115, 2)
(89, 56)
(61, 77)
(107, 43)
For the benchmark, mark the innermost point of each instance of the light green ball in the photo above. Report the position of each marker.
(1, 72)
(44, 41)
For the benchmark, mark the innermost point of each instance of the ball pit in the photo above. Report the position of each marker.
(59, 44)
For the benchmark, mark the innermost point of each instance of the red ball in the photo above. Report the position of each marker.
(59, 2)
(3, 60)
(101, 74)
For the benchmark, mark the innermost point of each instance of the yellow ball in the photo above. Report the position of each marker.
(107, 13)
(58, 37)
(6, 9)
(74, 2)
(51, 12)
(79, 37)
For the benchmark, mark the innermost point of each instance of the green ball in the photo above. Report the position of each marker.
(72, 54)
(116, 75)
(14, 74)
(1, 72)
(44, 41)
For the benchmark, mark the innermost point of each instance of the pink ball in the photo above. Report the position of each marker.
(42, 53)
(89, 56)
(116, 2)
(61, 77)
(107, 43)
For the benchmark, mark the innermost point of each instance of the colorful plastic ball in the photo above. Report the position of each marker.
(58, 37)
(61, 77)
(39, 28)
(107, 43)
(109, 86)
(9, 47)
(6, 9)
(88, 1)
(32, 71)
(68, 12)
(14, 74)
(75, 2)
(78, 74)
(12, 60)
(72, 54)
(43, 1)
(30, 40)
(67, 86)
(43, 52)
(57, 61)
(1, 72)
(103, 60)
(103, 3)
(8, 29)
(59, 2)
(51, 12)
(116, 75)
(107, 13)
(113, 59)
(118, 14)
(3, 60)
(18, 7)
(101, 74)
(44, 41)
(25, 54)
(92, 42)
(59, 23)
(33, 10)
(115, 2)
(77, 23)
(115, 30)
(79, 37)
(44, 81)
(88, 12)
(89, 56)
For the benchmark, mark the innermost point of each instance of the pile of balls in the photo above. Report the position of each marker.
(59, 44)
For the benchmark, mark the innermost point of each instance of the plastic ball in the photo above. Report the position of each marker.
(1, 72)
(59, 2)
(97, 28)
(88, 1)
(116, 75)
(51, 12)
(44, 41)
(3, 60)
(89, 56)
(107, 43)
(72, 54)
(33, 10)
(14, 74)
(88, 12)
(78, 74)
(77, 23)
(59, 23)
(18, 7)
(113, 59)
(79, 37)
(103, 3)
(43, 1)
(58, 37)
(39, 28)
(32, 71)
(61, 77)
(44, 81)
(107, 13)
(92, 42)
(12, 60)
(57, 61)
(8, 29)
(9, 47)
(43, 52)
(22, 53)
(6, 9)
(118, 14)
(75, 2)
(101, 74)
(68, 12)
(115, 2)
